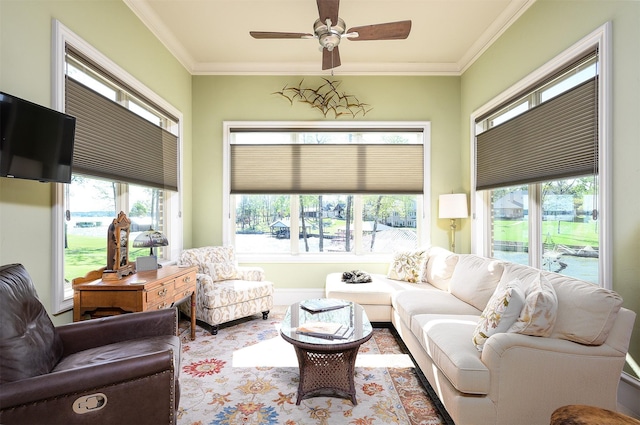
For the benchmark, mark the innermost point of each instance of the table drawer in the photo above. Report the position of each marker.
(187, 279)
(160, 293)
(161, 305)
(185, 285)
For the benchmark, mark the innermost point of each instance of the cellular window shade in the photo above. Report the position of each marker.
(557, 139)
(327, 168)
(115, 143)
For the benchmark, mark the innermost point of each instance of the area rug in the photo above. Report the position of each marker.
(247, 374)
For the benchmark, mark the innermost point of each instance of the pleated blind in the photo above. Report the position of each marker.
(115, 143)
(557, 139)
(327, 168)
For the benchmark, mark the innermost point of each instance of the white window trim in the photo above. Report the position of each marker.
(480, 231)
(424, 208)
(61, 36)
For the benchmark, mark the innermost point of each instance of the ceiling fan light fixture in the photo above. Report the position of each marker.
(329, 36)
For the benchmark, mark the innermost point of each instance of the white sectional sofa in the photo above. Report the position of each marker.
(516, 378)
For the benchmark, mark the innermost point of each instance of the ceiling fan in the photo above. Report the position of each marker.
(329, 29)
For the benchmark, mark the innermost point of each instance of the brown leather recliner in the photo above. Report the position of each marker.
(114, 370)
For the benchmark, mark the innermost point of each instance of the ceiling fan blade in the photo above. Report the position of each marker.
(328, 9)
(330, 59)
(267, 35)
(388, 31)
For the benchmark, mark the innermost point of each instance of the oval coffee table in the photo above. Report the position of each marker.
(327, 365)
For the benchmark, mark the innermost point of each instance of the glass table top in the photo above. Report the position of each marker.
(349, 317)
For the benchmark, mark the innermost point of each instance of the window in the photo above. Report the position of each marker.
(322, 189)
(119, 165)
(541, 173)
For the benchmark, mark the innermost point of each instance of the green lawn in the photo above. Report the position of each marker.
(554, 232)
(86, 253)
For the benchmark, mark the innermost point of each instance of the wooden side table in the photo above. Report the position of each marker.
(142, 291)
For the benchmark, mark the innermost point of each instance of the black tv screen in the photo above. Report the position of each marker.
(36, 143)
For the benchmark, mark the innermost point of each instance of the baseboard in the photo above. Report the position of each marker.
(628, 396)
(294, 295)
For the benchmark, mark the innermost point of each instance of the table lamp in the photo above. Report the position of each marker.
(452, 206)
(150, 239)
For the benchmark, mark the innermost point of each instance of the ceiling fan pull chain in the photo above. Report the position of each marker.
(332, 63)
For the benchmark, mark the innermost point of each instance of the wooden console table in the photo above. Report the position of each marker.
(142, 291)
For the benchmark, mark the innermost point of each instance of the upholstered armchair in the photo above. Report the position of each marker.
(114, 370)
(225, 290)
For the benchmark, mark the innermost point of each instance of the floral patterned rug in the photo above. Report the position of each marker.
(247, 374)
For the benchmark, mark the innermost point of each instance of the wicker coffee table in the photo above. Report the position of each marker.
(327, 366)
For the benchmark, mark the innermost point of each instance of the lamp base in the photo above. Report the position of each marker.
(453, 235)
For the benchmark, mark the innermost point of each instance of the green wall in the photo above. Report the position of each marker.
(25, 71)
(544, 31)
(241, 98)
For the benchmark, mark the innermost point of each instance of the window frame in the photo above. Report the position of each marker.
(423, 207)
(600, 38)
(62, 36)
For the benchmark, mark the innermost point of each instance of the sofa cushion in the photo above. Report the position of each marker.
(429, 300)
(123, 350)
(407, 266)
(447, 340)
(250, 273)
(538, 315)
(228, 292)
(501, 312)
(475, 279)
(209, 254)
(29, 343)
(586, 312)
(223, 270)
(439, 267)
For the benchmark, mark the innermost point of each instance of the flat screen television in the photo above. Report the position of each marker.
(36, 143)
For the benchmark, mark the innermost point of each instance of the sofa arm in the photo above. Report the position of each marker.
(498, 345)
(255, 274)
(77, 380)
(528, 371)
(80, 336)
(203, 280)
(53, 395)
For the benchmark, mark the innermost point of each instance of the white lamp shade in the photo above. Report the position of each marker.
(453, 205)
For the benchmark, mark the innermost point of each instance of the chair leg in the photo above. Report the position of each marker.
(214, 329)
(265, 315)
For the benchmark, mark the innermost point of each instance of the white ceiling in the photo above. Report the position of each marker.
(212, 36)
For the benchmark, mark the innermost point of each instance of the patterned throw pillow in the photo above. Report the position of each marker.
(538, 316)
(407, 266)
(225, 270)
(502, 310)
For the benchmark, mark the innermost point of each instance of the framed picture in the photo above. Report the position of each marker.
(118, 245)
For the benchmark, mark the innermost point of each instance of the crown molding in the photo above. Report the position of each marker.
(150, 19)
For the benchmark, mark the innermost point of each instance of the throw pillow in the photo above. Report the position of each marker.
(225, 270)
(217, 254)
(407, 266)
(538, 315)
(501, 312)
